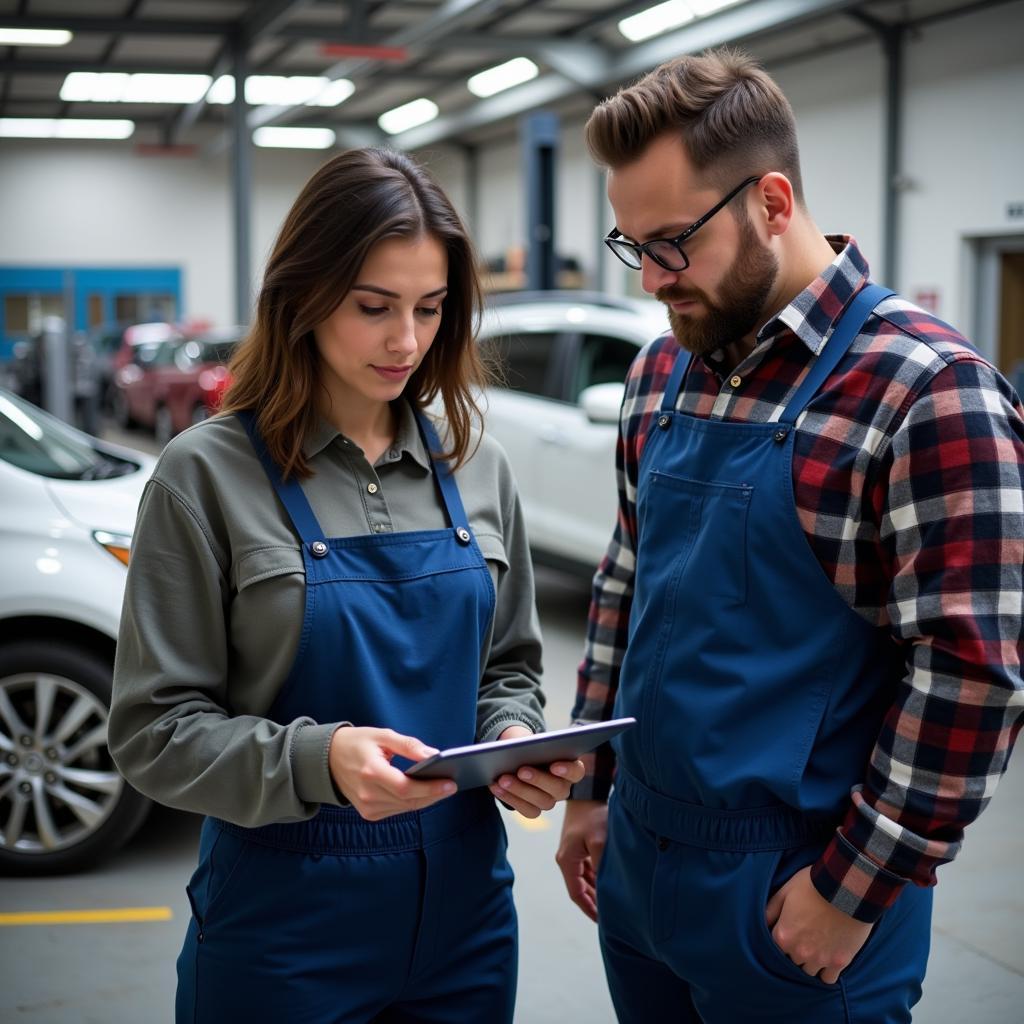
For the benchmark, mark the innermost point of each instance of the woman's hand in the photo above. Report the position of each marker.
(532, 790)
(359, 763)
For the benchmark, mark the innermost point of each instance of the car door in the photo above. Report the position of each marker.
(517, 410)
(575, 471)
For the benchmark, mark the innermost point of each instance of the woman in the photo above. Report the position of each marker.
(321, 581)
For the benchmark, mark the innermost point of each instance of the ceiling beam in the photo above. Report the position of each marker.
(444, 18)
(726, 26)
(264, 21)
(126, 26)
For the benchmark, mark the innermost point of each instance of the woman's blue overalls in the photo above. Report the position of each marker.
(759, 694)
(337, 919)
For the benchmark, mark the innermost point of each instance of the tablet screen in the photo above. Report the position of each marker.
(481, 763)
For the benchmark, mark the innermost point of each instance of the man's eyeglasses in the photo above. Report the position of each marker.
(667, 252)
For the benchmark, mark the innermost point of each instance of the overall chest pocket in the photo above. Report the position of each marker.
(710, 520)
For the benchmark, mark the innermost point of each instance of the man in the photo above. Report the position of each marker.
(812, 598)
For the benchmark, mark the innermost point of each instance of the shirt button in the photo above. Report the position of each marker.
(735, 380)
(372, 488)
(663, 844)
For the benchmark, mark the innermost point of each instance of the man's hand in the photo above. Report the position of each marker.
(359, 762)
(817, 937)
(579, 853)
(532, 790)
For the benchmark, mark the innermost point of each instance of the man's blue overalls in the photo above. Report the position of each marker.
(759, 694)
(338, 919)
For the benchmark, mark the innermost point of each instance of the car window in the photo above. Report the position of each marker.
(602, 360)
(38, 443)
(524, 361)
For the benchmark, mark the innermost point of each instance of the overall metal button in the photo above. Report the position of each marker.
(372, 488)
(319, 548)
(780, 436)
(735, 380)
(463, 534)
(664, 421)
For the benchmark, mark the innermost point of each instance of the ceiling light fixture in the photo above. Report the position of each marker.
(34, 37)
(117, 87)
(64, 128)
(668, 15)
(293, 138)
(408, 115)
(503, 76)
(281, 91)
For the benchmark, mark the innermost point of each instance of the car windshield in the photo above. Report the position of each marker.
(39, 443)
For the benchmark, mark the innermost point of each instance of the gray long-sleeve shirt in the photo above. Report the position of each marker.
(214, 605)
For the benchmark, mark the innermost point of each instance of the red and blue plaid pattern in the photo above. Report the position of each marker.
(908, 475)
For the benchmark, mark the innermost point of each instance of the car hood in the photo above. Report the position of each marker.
(103, 504)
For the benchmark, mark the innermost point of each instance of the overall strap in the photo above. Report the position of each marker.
(443, 474)
(295, 502)
(675, 381)
(838, 344)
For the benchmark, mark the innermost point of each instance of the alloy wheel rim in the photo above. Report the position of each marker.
(58, 782)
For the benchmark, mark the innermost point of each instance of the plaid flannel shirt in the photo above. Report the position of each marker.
(908, 474)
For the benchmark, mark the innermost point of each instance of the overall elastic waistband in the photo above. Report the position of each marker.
(746, 830)
(341, 830)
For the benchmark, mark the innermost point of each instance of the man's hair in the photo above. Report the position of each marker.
(730, 114)
(357, 199)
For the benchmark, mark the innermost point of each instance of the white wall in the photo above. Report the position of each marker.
(95, 204)
(963, 154)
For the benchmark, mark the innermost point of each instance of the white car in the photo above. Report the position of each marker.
(67, 510)
(564, 358)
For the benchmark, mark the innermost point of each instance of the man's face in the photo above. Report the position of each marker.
(721, 297)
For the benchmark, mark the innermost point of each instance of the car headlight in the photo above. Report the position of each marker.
(118, 544)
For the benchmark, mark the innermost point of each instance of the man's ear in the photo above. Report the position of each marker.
(775, 201)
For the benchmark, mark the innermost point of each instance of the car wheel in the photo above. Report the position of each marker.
(63, 803)
(122, 413)
(163, 428)
(199, 414)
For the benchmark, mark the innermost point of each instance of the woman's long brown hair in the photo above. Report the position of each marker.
(354, 201)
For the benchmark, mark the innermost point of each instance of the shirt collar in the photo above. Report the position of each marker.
(813, 313)
(408, 440)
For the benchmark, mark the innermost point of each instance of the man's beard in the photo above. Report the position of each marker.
(743, 294)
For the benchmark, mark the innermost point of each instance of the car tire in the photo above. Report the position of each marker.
(63, 804)
(163, 426)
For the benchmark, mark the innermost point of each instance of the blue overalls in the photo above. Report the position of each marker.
(337, 919)
(759, 694)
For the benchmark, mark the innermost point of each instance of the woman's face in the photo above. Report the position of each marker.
(379, 333)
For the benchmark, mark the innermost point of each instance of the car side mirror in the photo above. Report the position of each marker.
(601, 402)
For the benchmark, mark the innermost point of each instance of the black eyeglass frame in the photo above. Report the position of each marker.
(618, 246)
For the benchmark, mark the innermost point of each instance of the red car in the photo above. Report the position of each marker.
(174, 383)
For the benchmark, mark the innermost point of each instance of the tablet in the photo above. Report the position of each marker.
(482, 763)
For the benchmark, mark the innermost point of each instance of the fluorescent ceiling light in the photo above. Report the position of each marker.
(281, 91)
(668, 15)
(655, 19)
(149, 88)
(504, 76)
(408, 115)
(34, 37)
(115, 87)
(336, 92)
(63, 128)
(293, 138)
(705, 7)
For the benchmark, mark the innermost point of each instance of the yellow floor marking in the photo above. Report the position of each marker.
(88, 916)
(531, 824)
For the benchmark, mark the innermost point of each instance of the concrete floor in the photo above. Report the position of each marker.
(124, 973)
